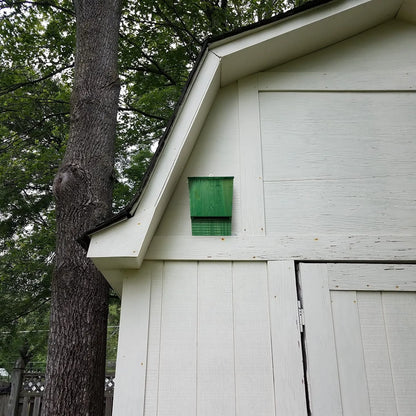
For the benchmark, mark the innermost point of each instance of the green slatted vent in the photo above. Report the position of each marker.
(211, 205)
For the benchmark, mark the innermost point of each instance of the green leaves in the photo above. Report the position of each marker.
(36, 60)
(159, 44)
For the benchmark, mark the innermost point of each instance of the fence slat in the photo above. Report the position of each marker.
(26, 406)
(4, 401)
(36, 406)
(108, 406)
(17, 375)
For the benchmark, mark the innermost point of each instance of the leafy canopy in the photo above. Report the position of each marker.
(159, 44)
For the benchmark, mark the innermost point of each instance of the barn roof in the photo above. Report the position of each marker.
(121, 242)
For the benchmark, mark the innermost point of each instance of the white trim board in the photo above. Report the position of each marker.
(394, 81)
(299, 247)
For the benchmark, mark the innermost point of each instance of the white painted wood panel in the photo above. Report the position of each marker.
(376, 206)
(407, 11)
(322, 369)
(337, 136)
(339, 163)
(215, 154)
(178, 344)
(288, 375)
(375, 340)
(385, 47)
(400, 322)
(376, 352)
(153, 352)
(251, 172)
(215, 370)
(386, 277)
(397, 80)
(316, 246)
(253, 359)
(224, 339)
(350, 357)
(129, 393)
(283, 41)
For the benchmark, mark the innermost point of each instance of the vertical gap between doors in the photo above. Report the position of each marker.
(302, 339)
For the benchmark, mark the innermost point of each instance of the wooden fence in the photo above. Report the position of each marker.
(24, 398)
(4, 397)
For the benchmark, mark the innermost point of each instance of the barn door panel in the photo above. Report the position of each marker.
(288, 375)
(360, 338)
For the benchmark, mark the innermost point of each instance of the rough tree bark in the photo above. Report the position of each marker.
(83, 194)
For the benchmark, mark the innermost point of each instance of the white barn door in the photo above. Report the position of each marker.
(360, 338)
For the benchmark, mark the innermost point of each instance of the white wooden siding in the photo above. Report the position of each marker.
(222, 339)
(178, 340)
(253, 359)
(330, 247)
(220, 132)
(323, 153)
(216, 393)
(336, 173)
(250, 172)
(386, 47)
(360, 342)
(153, 353)
(339, 163)
(286, 344)
(132, 357)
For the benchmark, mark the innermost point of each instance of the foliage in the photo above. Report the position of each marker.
(159, 44)
(34, 107)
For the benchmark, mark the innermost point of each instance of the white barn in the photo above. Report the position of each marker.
(307, 304)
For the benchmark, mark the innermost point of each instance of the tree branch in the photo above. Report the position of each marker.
(41, 4)
(150, 71)
(159, 70)
(27, 312)
(17, 136)
(15, 87)
(183, 26)
(136, 110)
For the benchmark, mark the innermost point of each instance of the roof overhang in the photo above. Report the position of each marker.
(299, 34)
(122, 244)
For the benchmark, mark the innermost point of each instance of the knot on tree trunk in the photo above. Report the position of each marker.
(71, 179)
(81, 198)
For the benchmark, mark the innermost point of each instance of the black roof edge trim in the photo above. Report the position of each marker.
(127, 212)
(311, 4)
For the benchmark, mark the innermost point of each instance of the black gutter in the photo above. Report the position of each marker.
(127, 211)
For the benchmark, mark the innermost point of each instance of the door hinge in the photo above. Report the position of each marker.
(301, 317)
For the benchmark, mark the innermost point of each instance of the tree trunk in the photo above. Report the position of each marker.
(83, 194)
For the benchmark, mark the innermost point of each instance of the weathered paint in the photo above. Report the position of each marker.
(360, 342)
(214, 340)
(325, 173)
(225, 62)
(323, 154)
